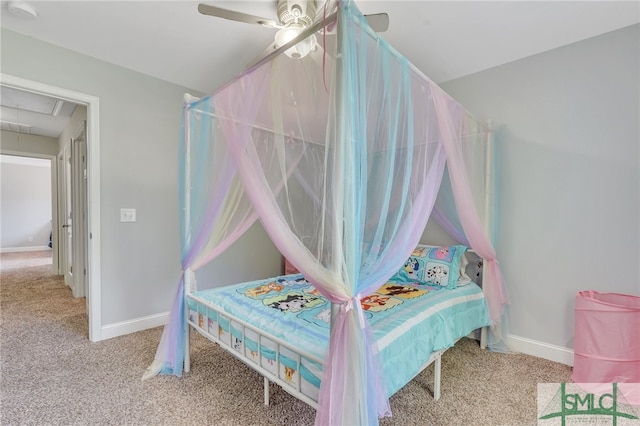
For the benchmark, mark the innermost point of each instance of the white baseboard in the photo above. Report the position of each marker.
(132, 326)
(22, 249)
(540, 349)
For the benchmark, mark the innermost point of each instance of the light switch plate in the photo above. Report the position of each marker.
(127, 215)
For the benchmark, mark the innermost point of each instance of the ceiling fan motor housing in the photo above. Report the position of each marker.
(300, 11)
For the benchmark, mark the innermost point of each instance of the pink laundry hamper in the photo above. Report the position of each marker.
(607, 340)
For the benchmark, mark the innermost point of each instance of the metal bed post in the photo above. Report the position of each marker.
(488, 181)
(488, 192)
(188, 278)
(338, 229)
(187, 355)
(266, 392)
(437, 377)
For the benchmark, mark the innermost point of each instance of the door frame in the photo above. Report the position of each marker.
(65, 208)
(93, 187)
(80, 237)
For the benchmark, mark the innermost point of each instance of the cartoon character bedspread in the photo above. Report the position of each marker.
(409, 322)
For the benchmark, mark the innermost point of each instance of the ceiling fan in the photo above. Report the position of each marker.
(294, 17)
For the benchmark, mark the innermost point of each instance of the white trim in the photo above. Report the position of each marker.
(93, 183)
(24, 160)
(540, 349)
(132, 326)
(50, 157)
(23, 249)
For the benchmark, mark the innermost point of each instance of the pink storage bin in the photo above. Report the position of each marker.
(607, 338)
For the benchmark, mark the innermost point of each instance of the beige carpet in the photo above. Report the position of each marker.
(52, 374)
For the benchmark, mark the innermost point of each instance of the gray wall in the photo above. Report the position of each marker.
(139, 131)
(25, 205)
(567, 143)
(31, 144)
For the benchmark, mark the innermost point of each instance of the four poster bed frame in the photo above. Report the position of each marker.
(280, 360)
(199, 312)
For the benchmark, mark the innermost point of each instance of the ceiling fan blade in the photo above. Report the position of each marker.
(379, 22)
(207, 9)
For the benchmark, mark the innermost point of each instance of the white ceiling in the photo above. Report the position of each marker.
(444, 39)
(32, 113)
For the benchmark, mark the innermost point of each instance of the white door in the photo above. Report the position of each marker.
(73, 202)
(66, 214)
(79, 209)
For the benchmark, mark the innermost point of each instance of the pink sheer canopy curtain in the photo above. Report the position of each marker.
(215, 213)
(371, 164)
(341, 160)
(451, 117)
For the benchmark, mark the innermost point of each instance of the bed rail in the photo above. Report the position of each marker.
(236, 343)
(291, 380)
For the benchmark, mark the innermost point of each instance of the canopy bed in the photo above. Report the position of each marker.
(343, 155)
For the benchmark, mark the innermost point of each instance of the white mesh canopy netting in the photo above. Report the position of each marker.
(340, 155)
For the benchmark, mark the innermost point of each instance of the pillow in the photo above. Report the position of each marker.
(433, 265)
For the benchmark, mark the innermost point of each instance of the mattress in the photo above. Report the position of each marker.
(409, 322)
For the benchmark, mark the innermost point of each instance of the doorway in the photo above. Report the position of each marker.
(87, 141)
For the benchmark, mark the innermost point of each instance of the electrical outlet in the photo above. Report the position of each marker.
(127, 215)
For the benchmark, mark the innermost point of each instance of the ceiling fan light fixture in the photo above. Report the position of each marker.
(301, 49)
(22, 10)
